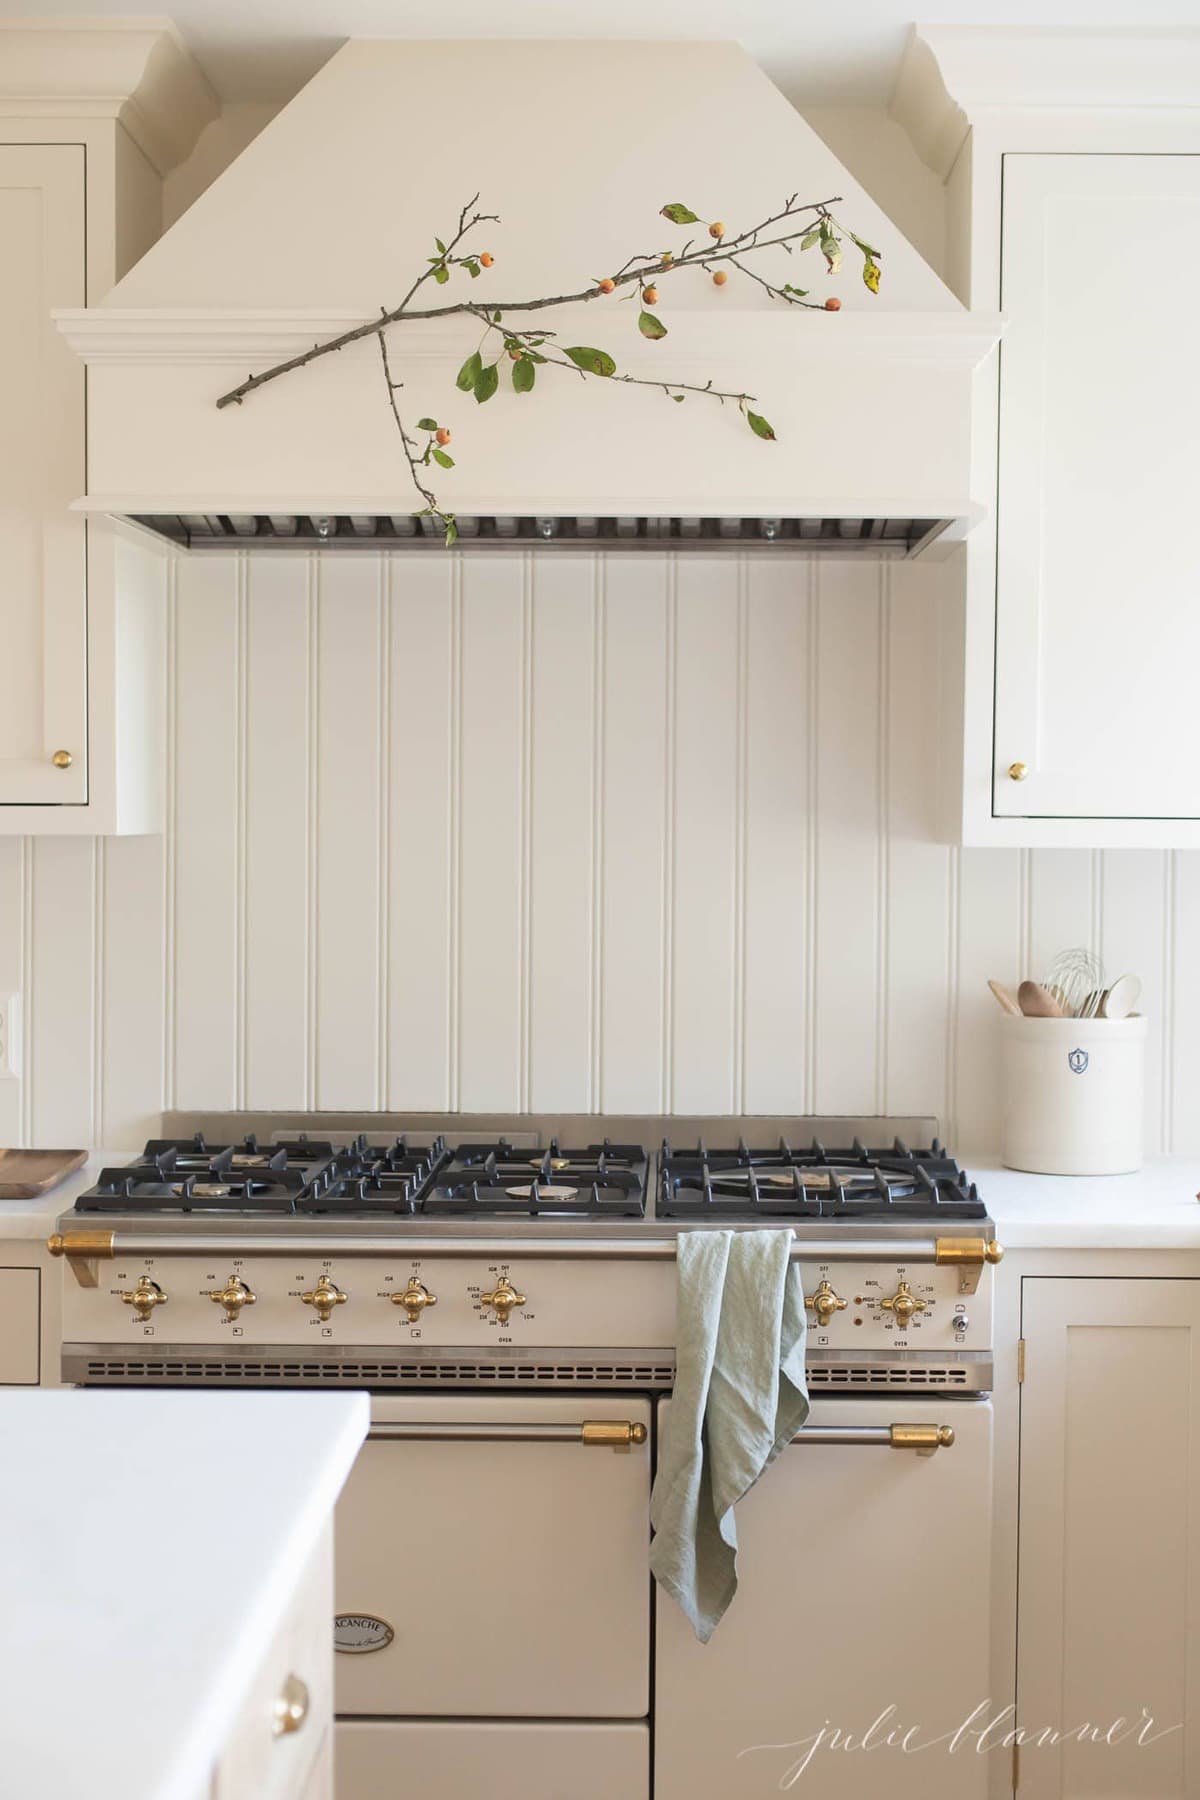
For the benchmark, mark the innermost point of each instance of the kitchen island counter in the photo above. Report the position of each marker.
(151, 1545)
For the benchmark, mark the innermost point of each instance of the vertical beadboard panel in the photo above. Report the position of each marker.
(205, 847)
(422, 807)
(276, 824)
(61, 1055)
(633, 815)
(350, 752)
(14, 853)
(1135, 911)
(1185, 1046)
(493, 871)
(914, 1077)
(562, 911)
(988, 904)
(131, 992)
(848, 700)
(707, 847)
(775, 825)
(1062, 907)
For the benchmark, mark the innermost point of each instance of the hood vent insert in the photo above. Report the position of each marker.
(400, 531)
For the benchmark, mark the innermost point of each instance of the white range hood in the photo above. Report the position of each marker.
(330, 212)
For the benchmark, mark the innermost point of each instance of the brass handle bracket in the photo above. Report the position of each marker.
(83, 1251)
(968, 1255)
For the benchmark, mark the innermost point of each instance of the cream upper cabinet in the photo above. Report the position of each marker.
(43, 552)
(1097, 558)
(1108, 1610)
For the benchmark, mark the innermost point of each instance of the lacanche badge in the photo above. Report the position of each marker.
(358, 1633)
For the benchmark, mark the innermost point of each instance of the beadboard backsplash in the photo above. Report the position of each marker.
(637, 833)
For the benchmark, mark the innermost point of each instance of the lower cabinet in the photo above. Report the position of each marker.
(20, 1325)
(1108, 1625)
(458, 1760)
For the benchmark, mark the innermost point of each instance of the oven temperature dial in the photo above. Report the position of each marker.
(502, 1299)
(903, 1305)
(144, 1298)
(415, 1298)
(233, 1296)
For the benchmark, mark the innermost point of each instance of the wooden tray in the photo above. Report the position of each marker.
(24, 1174)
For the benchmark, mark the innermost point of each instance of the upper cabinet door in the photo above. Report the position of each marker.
(43, 546)
(1098, 559)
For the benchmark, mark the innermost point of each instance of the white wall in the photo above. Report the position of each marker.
(554, 833)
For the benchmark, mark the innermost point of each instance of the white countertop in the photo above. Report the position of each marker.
(124, 1530)
(35, 1218)
(1154, 1209)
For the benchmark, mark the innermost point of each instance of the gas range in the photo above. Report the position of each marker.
(518, 1251)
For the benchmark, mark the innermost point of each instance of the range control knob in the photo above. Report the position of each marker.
(415, 1298)
(324, 1297)
(825, 1303)
(502, 1299)
(903, 1304)
(233, 1296)
(144, 1298)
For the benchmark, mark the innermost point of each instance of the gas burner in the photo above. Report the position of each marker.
(492, 1181)
(751, 1185)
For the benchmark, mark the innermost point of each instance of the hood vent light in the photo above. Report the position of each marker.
(364, 531)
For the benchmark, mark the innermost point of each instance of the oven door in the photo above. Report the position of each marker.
(492, 1564)
(863, 1595)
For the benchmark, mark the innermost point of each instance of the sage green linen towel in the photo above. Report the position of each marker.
(740, 1396)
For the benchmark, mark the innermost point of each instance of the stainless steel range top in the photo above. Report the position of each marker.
(394, 1251)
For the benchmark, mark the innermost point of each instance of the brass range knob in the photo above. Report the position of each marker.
(502, 1299)
(62, 759)
(1017, 771)
(324, 1297)
(144, 1298)
(825, 1303)
(415, 1298)
(903, 1304)
(233, 1296)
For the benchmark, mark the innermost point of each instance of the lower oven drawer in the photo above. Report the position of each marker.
(863, 1595)
(457, 1760)
(506, 1558)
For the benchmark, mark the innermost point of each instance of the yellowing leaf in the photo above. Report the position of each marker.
(651, 327)
(871, 272)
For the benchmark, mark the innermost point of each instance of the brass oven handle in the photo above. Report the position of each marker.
(608, 1434)
(924, 1439)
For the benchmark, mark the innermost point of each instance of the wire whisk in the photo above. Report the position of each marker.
(1076, 980)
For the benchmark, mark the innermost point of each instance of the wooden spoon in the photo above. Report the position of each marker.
(1006, 997)
(1037, 1002)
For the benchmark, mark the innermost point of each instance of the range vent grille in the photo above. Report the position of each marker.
(400, 531)
(884, 1375)
(381, 1373)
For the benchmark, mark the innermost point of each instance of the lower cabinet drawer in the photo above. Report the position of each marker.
(457, 1760)
(20, 1323)
(274, 1749)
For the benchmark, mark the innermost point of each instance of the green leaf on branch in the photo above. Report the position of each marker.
(679, 214)
(760, 427)
(451, 531)
(442, 460)
(650, 327)
(441, 274)
(800, 293)
(468, 375)
(679, 399)
(810, 238)
(472, 269)
(523, 375)
(440, 245)
(831, 249)
(486, 382)
(593, 362)
(871, 272)
(867, 249)
(427, 425)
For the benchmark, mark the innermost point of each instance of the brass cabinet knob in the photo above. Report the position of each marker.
(502, 1299)
(62, 759)
(903, 1304)
(825, 1303)
(324, 1297)
(415, 1298)
(291, 1708)
(233, 1296)
(1017, 771)
(144, 1298)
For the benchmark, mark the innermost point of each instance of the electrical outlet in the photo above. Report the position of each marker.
(10, 1036)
